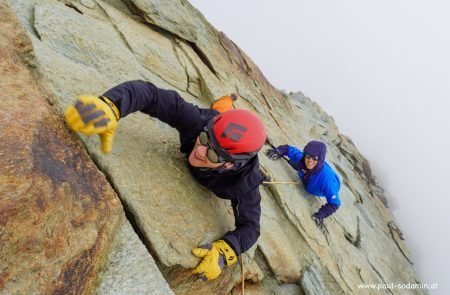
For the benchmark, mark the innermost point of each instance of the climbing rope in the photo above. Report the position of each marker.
(281, 182)
(242, 271)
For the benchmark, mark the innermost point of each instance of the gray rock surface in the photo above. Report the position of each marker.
(58, 213)
(130, 269)
(88, 46)
(312, 282)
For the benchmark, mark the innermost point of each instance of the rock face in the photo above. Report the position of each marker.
(130, 269)
(58, 214)
(63, 227)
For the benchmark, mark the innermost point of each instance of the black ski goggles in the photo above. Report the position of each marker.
(309, 156)
(211, 154)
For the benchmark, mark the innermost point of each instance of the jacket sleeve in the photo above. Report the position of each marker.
(294, 154)
(326, 210)
(331, 190)
(334, 199)
(165, 105)
(247, 212)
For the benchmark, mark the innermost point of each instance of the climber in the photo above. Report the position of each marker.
(221, 146)
(316, 175)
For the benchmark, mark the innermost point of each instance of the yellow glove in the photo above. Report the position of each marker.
(91, 115)
(215, 256)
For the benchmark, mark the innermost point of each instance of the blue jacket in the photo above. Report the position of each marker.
(325, 183)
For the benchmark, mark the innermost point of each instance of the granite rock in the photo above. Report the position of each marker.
(58, 213)
(88, 46)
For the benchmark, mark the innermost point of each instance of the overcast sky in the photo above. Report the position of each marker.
(381, 69)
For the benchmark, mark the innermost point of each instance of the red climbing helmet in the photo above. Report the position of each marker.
(236, 134)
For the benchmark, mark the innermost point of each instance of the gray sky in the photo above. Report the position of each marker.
(381, 69)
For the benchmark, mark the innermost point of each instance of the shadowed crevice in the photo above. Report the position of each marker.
(380, 276)
(130, 216)
(33, 25)
(355, 241)
(203, 57)
(397, 236)
(73, 7)
(173, 36)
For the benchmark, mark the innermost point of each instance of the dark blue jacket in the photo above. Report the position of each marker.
(241, 186)
(325, 183)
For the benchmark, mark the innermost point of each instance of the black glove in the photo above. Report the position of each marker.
(273, 154)
(318, 221)
(324, 212)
